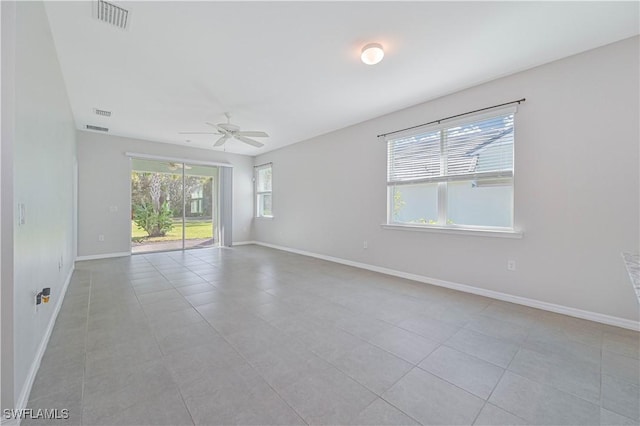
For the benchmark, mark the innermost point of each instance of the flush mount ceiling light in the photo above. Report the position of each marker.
(372, 53)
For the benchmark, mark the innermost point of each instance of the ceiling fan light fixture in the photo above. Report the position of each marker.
(372, 53)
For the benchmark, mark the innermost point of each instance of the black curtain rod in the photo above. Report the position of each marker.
(453, 116)
(260, 165)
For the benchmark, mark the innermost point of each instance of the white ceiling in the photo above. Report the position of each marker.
(292, 69)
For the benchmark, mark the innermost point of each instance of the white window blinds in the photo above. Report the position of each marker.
(263, 190)
(481, 148)
(414, 159)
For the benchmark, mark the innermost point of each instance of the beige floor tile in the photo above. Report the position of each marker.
(542, 404)
(494, 416)
(381, 413)
(495, 351)
(433, 401)
(247, 336)
(465, 371)
(404, 344)
(372, 367)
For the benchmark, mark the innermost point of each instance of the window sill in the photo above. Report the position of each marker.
(457, 231)
(264, 217)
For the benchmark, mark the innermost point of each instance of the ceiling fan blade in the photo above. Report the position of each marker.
(175, 166)
(221, 130)
(197, 133)
(213, 125)
(221, 141)
(249, 141)
(252, 133)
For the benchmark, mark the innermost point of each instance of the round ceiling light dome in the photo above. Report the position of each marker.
(372, 53)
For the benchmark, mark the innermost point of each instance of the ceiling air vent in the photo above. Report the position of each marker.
(102, 112)
(97, 128)
(111, 14)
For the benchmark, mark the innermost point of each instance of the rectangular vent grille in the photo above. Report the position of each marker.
(102, 112)
(97, 128)
(112, 14)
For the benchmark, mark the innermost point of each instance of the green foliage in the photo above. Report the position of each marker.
(194, 229)
(155, 187)
(424, 221)
(398, 203)
(155, 222)
(165, 219)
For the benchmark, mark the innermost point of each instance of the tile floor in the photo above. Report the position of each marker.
(252, 336)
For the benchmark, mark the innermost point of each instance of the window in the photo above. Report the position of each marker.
(263, 190)
(454, 175)
(197, 198)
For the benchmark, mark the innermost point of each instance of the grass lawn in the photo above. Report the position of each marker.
(194, 229)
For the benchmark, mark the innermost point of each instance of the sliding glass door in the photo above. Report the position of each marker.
(173, 206)
(200, 206)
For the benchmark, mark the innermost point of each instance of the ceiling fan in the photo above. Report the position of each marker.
(176, 166)
(228, 131)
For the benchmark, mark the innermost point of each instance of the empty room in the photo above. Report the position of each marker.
(335, 213)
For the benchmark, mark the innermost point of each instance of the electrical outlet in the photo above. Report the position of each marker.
(511, 265)
(365, 245)
(100, 237)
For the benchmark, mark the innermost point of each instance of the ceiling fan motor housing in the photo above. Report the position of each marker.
(229, 127)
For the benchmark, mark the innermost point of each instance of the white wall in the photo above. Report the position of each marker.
(8, 23)
(104, 181)
(576, 189)
(43, 162)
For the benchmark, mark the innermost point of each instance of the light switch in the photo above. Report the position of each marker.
(22, 214)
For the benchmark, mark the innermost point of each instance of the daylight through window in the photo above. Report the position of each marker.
(263, 191)
(455, 175)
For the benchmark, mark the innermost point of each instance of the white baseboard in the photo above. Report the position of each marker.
(103, 256)
(560, 309)
(242, 243)
(23, 399)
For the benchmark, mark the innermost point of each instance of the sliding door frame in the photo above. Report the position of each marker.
(223, 169)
